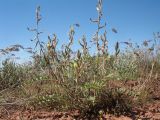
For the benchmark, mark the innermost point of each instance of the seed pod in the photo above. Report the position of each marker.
(78, 54)
(117, 49)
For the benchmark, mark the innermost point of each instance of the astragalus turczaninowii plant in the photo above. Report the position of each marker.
(66, 79)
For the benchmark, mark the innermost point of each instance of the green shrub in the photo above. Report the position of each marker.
(11, 75)
(126, 67)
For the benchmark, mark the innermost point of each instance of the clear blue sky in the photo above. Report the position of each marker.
(135, 19)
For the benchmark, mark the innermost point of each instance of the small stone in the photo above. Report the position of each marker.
(148, 115)
(156, 116)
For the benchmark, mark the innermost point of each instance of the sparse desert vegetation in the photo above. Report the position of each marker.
(77, 84)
